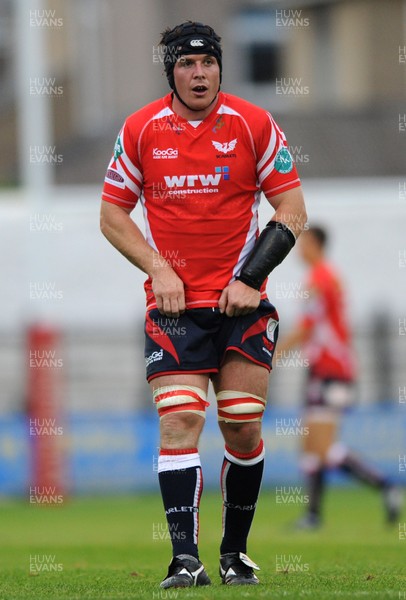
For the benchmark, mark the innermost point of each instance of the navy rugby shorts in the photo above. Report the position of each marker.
(197, 341)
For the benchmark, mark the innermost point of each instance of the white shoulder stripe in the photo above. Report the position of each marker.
(162, 113)
(271, 147)
(128, 181)
(262, 176)
(127, 162)
(226, 110)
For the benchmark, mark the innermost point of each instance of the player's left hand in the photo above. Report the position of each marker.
(239, 299)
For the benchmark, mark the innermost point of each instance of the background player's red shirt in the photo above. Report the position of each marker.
(328, 347)
(200, 187)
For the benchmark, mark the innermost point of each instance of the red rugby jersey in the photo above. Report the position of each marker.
(329, 346)
(200, 187)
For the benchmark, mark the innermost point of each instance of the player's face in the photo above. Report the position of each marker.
(197, 80)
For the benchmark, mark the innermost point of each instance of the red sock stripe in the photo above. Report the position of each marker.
(181, 408)
(174, 451)
(246, 417)
(180, 392)
(243, 456)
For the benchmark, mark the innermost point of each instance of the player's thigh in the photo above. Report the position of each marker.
(193, 379)
(240, 374)
(321, 429)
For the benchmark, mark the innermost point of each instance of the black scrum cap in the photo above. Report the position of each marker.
(189, 38)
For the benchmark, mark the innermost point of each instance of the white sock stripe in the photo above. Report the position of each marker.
(224, 491)
(245, 462)
(196, 503)
(223, 481)
(175, 462)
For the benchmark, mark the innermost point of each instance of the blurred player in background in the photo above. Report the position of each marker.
(198, 160)
(324, 333)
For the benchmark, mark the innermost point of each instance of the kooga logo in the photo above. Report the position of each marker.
(168, 153)
(190, 180)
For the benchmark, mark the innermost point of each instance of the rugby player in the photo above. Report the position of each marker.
(324, 333)
(199, 160)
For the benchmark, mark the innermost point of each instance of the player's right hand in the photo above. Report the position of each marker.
(169, 292)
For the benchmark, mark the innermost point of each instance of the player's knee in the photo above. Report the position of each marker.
(185, 402)
(180, 430)
(336, 454)
(180, 420)
(239, 407)
(242, 437)
(310, 462)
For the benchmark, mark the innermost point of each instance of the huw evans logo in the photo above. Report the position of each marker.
(197, 184)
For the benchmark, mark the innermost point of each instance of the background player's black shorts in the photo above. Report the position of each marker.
(334, 393)
(197, 341)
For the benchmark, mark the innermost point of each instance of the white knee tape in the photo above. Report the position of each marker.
(180, 398)
(239, 407)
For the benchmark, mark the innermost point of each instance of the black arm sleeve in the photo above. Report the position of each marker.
(273, 245)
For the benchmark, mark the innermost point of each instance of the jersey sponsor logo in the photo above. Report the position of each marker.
(226, 147)
(154, 357)
(225, 171)
(283, 161)
(118, 148)
(114, 177)
(196, 43)
(167, 153)
(190, 181)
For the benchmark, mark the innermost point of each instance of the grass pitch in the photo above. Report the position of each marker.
(115, 548)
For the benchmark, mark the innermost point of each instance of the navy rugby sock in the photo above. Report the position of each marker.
(356, 467)
(241, 477)
(315, 486)
(181, 482)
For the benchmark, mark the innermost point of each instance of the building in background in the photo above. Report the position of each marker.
(330, 70)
